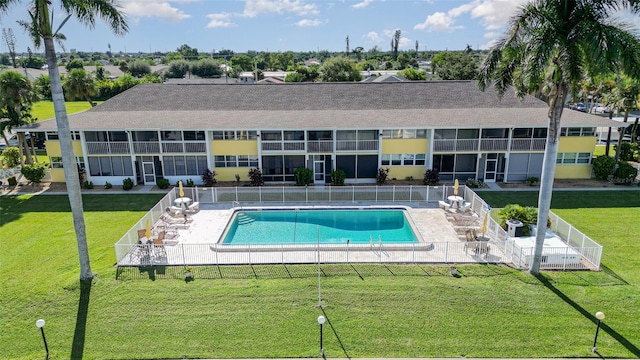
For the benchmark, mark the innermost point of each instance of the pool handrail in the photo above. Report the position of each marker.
(233, 204)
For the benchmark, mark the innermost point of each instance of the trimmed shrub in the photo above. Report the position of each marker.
(338, 177)
(189, 183)
(473, 183)
(255, 177)
(34, 172)
(108, 185)
(303, 176)
(127, 184)
(209, 178)
(88, 185)
(625, 173)
(603, 166)
(163, 183)
(11, 155)
(381, 176)
(431, 177)
(626, 154)
(12, 181)
(532, 180)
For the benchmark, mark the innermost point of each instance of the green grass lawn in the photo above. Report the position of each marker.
(43, 110)
(269, 311)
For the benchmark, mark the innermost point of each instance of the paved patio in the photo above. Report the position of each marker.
(440, 232)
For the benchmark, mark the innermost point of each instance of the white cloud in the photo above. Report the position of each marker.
(493, 14)
(253, 8)
(308, 23)
(362, 4)
(220, 20)
(374, 37)
(158, 9)
(405, 42)
(439, 21)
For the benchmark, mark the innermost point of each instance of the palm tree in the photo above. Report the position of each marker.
(79, 84)
(16, 98)
(550, 46)
(42, 32)
(624, 97)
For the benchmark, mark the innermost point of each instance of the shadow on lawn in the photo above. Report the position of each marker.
(77, 347)
(361, 271)
(614, 334)
(346, 354)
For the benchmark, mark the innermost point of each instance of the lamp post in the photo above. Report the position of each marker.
(321, 321)
(40, 324)
(600, 317)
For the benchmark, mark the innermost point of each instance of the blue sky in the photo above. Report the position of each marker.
(282, 25)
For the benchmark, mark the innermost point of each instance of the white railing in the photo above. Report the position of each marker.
(528, 144)
(146, 147)
(217, 254)
(581, 252)
(357, 145)
(493, 144)
(102, 147)
(320, 146)
(455, 145)
(183, 147)
(283, 145)
(299, 194)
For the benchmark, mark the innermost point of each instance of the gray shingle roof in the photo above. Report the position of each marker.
(316, 106)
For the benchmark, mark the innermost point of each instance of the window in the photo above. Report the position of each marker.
(184, 165)
(236, 161)
(573, 158)
(110, 166)
(271, 135)
(194, 135)
(226, 135)
(404, 134)
(403, 159)
(56, 162)
(587, 131)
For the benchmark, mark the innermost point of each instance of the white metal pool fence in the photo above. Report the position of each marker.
(501, 248)
(316, 194)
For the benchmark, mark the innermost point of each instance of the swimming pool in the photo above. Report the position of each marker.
(334, 226)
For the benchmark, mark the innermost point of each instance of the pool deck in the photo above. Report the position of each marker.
(195, 244)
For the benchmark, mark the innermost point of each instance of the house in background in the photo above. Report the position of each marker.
(177, 131)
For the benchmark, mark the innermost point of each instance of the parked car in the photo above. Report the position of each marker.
(600, 109)
(578, 106)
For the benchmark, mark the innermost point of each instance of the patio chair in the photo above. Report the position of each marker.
(158, 245)
(444, 205)
(471, 241)
(142, 234)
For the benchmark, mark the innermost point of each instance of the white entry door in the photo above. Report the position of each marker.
(490, 169)
(148, 170)
(318, 172)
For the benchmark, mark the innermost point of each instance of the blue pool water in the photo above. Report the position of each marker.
(334, 226)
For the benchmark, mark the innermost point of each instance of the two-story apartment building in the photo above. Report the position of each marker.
(177, 131)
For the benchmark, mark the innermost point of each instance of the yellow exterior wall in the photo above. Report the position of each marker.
(402, 172)
(405, 146)
(229, 173)
(57, 175)
(53, 148)
(575, 144)
(234, 147)
(573, 171)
